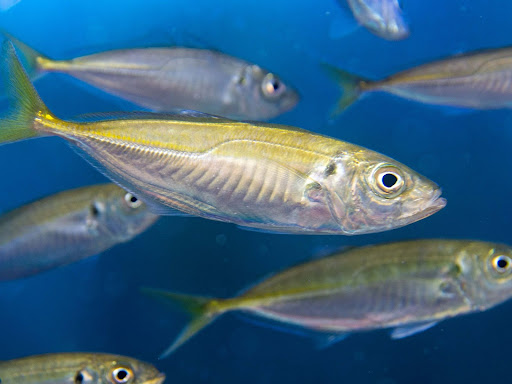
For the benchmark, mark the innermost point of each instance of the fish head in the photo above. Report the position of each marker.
(382, 194)
(489, 282)
(121, 214)
(125, 370)
(384, 18)
(262, 95)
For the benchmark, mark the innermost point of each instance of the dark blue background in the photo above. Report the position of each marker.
(95, 306)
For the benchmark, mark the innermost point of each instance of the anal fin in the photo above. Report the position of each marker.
(409, 330)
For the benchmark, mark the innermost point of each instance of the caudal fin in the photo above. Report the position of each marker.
(30, 58)
(18, 124)
(351, 85)
(202, 310)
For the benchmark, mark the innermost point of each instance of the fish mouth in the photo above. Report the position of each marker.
(290, 101)
(435, 204)
(157, 380)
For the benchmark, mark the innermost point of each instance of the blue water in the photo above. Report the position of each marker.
(95, 306)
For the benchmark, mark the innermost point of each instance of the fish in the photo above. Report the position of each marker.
(474, 80)
(170, 79)
(408, 286)
(78, 368)
(267, 177)
(381, 17)
(67, 227)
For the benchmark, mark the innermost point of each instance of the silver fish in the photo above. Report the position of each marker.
(382, 17)
(480, 80)
(408, 286)
(78, 368)
(268, 177)
(68, 227)
(169, 79)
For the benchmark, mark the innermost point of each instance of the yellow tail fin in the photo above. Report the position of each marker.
(202, 310)
(350, 84)
(18, 124)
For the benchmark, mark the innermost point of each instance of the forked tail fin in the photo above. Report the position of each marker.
(25, 103)
(351, 85)
(202, 310)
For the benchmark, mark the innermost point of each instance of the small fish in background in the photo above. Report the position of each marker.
(381, 17)
(408, 286)
(264, 176)
(479, 80)
(171, 79)
(67, 227)
(78, 368)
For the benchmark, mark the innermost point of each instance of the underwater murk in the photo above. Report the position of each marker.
(311, 65)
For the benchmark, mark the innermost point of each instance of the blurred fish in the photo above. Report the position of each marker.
(408, 286)
(79, 368)
(381, 17)
(481, 79)
(270, 177)
(67, 227)
(5, 5)
(170, 79)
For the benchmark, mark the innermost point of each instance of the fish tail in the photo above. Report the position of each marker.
(353, 86)
(33, 61)
(203, 311)
(26, 105)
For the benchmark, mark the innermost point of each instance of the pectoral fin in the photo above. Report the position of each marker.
(409, 330)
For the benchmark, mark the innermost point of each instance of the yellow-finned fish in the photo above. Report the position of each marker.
(169, 79)
(480, 80)
(78, 368)
(408, 286)
(68, 227)
(269, 177)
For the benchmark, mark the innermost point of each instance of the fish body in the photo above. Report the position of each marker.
(480, 80)
(169, 79)
(79, 368)
(408, 286)
(382, 17)
(67, 227)
(268, 177)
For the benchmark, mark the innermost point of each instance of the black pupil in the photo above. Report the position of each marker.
(389, 180)
(79, 378)
(133, 199)
(94, 210)
(502, 263)
(121, 374)
(275, 84)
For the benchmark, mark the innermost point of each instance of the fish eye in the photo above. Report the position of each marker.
(271, 86)
(122, 375)
(79, 377)
(132, 201)
(388, 180)
(501, 263)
